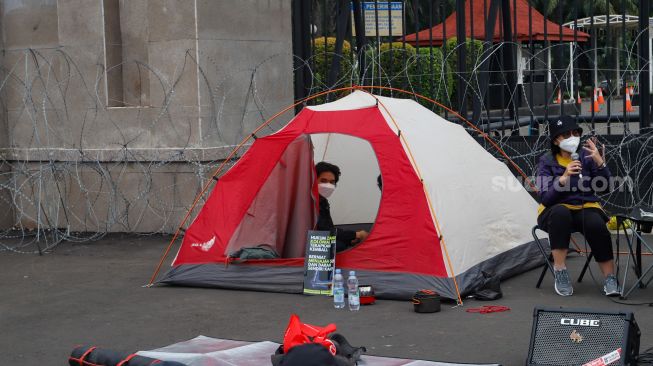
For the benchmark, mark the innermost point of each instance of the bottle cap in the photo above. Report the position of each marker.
(338, 270)
(352, 273)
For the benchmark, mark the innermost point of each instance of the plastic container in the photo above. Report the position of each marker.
(338, 290)
(353, 295)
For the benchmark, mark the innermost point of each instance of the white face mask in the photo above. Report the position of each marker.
(570, 144)
(326, 189)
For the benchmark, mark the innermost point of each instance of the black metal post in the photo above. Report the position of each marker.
(342, 23)
(359, 25)
(644, 82)
(462, 57)
(301, 44)
(509, 55)
(484, 74)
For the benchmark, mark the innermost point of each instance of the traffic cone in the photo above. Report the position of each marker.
(629, 104)
(594, 106)
(559, 98)
(579, 101)
(600, 99)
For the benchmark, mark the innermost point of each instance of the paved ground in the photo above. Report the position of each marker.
(91, 293)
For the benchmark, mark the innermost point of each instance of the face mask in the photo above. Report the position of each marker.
(326, 189)
(570, 144)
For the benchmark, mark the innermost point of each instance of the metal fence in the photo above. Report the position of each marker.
(506, 65)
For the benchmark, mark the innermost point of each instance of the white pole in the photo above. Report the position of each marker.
(548, 65)
(623, 85)
(596, 68)
(520, 65)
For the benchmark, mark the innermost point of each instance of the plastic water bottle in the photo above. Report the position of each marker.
(352, 293)
(338, 290)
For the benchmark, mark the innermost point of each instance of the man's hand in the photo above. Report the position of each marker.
(360, 236)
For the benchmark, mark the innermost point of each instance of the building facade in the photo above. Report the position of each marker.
(114, 113)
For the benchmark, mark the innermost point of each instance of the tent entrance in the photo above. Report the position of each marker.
(355, 203)
(284, 208)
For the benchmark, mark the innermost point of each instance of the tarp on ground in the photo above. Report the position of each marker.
(206, 351)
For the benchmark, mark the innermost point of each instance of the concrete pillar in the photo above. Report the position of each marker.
(6, 213)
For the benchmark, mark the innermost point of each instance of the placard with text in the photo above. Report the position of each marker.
(319, 263)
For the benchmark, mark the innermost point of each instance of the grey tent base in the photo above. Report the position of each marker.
(387, 285)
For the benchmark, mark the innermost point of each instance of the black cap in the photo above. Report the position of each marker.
(563, 124)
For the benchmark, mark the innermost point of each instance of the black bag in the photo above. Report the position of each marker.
(490, 289)
(316, 354)
(309, 354)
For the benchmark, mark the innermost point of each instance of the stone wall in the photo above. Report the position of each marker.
(115, 111)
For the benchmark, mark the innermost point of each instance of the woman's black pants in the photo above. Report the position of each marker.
(560, 222)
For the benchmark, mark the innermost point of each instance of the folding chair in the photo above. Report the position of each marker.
(548, 258)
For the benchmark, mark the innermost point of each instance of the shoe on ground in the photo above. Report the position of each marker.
(611, 286)
(562, 283)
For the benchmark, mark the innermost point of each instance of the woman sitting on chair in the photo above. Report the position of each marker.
(567, 183)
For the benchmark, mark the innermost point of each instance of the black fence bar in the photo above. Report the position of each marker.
(509, 55)
(574, 62)
(462, 57)
(561, 72)
(484, 77)
(465, 57)
(301, 48)
(608, 76)
(644, 67)
(431, 63)
(417, 28)
(359, 27)
(342, 23)
(595, 81)
(624, 44)
(378, 40)
(516, 88)
(547, 68)
(533, 127)
(445, 51)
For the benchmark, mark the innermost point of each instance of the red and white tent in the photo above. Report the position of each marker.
(448, 209)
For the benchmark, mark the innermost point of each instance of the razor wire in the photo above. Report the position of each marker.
(64, 185)
(59, 181)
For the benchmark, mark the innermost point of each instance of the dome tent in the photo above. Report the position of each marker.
(440, 222)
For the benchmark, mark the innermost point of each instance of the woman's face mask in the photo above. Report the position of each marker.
(326, 189)
(570, 144)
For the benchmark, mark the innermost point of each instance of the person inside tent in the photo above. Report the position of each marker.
(328, 176)
(567, 181)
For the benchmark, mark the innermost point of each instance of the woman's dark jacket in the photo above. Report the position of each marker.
(577, 191)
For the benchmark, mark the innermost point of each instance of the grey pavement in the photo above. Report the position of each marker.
(91, 294)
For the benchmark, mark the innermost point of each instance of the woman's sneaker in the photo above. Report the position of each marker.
(562, 283)
(611, 286)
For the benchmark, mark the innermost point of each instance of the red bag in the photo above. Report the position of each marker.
(298, 333)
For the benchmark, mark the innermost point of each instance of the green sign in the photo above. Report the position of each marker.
(319, 263)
